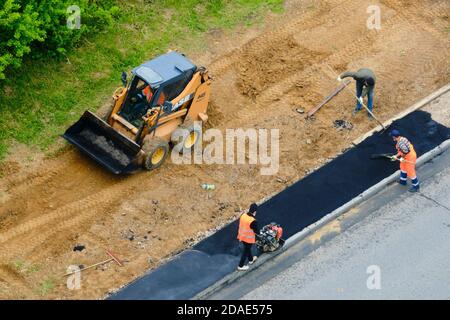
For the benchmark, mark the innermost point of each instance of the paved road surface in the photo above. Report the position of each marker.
(408, 239)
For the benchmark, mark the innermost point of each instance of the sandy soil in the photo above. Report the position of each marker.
(262, 76)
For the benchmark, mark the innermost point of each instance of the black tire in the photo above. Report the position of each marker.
(190, 137)
(156, 152)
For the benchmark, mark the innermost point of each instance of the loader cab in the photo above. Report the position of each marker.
(154, 83)
(140, 98)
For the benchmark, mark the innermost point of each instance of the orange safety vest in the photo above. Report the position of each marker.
(162, 99)
(246, 234)
(148, 93)
(408, 166)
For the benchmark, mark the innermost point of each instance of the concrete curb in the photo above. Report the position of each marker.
(305, 233)
(364, 196)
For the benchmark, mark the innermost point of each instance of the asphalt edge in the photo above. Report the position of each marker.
(372, 191)
(418, 105)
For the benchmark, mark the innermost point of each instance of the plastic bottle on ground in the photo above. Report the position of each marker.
(207, 186)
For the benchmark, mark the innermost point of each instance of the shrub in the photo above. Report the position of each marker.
(39, 27)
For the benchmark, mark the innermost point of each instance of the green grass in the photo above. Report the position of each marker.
(46, 286)
(39, 101)
(22, 267)
(18, 265)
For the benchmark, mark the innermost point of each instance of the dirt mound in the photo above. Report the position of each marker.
(259, 71)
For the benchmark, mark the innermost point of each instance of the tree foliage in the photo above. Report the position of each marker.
(38, 28)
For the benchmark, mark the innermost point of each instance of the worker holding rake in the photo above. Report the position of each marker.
(365, 85)
(407, 157)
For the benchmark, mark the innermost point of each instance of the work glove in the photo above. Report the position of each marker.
(401, 159)
(361, 100)
(394, 158)
(339, 79)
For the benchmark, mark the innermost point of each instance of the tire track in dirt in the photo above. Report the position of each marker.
(362, 45)
(309, 20)
(354, 49)
(69, 180)
(59, 220)
(427, 59)
(15, 280)
(425, 63)
(17, 184)
(415, 17)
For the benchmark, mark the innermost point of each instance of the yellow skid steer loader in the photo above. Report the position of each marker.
(161, 102)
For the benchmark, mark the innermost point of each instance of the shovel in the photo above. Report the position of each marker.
(387, 156)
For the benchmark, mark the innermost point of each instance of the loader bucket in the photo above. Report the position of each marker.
(105, 145)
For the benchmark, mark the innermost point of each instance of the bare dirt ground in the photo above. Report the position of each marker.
(262, 76)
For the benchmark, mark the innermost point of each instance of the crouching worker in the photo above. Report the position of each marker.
(248, 228)
(407, 157)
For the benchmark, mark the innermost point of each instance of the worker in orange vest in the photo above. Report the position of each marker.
(407, 157)
(148, 93)
(248, 228)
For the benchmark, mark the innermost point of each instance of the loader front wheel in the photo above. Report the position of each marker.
(156, 152)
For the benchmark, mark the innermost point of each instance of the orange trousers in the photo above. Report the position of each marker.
(409, 166)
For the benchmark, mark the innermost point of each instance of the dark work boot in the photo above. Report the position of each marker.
(403, 178)
(415, 185)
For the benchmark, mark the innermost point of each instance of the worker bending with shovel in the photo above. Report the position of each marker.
(365, 85)
(248, 228)
(407, 157)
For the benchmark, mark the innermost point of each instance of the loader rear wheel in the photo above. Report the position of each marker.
(156, 152)
(190, 136)
(190, 140)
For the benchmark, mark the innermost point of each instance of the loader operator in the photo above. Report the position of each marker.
(248, 228)
(148, 93)
(365, 85)
(142, 103)
(407, 157)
